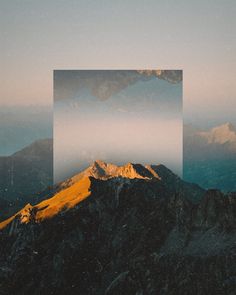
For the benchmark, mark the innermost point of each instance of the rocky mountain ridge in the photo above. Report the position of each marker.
(120, 235)
(69, 193)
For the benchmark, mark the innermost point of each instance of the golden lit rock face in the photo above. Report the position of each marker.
(26, 214)
(63, 200)
(23, 215)
(6, 222)
(102, 170)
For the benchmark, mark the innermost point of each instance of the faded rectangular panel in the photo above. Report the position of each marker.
(116, 116)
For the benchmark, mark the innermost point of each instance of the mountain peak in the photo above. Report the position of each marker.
(36, 148)
(102, 170)
(93, 180)
(227, 126)
(220, 134)
(100, 163)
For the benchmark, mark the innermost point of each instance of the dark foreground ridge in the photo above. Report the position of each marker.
(113, 230)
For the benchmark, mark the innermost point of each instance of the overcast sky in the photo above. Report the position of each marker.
(196, 36)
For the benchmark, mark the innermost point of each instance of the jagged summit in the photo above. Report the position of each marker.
(230, 126)
(227, 127)
(102, 170)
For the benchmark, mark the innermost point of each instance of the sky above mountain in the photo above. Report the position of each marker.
(196, 36)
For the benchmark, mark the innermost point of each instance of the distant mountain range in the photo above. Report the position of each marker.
(26, 173)
(21, 125)
(210, 156)
(129, 229)
(221, 139)
(223, 134)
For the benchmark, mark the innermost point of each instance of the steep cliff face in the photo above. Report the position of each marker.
(124, 236)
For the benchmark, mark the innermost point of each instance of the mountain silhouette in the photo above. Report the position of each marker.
(25, 173)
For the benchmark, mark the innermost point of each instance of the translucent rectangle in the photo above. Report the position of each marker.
(117, 116)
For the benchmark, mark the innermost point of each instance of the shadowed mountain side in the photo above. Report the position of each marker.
(27, 172)
(115, 235)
